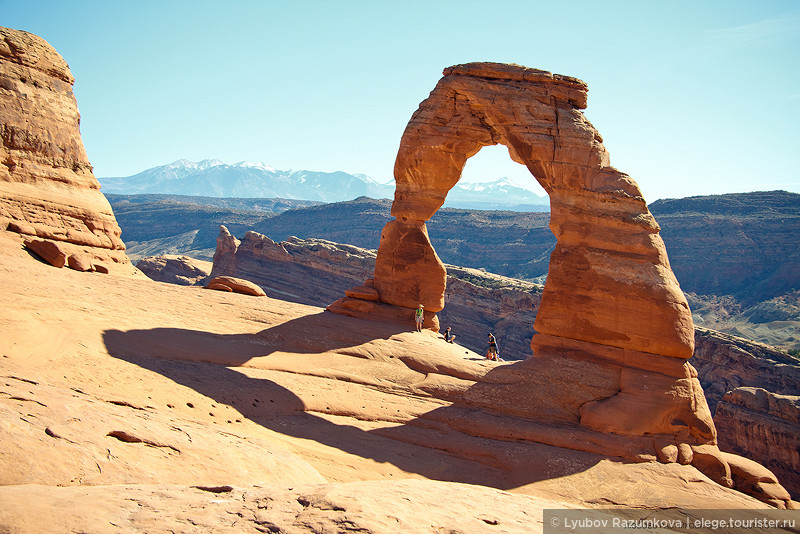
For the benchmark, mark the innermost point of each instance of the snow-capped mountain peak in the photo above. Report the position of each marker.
(255, 165)
(246, 179)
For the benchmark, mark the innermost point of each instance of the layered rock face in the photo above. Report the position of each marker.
(308, 271)
(47, 189)
(726, 362)
(763, 426)
(614, 329)
(754, 392)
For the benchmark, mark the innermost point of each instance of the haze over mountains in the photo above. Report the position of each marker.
(213, 178)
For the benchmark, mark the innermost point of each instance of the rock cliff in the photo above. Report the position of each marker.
(753, 391)
(741, 244)
(181, 270)
(764, 427)
(47, 189)
(306, 271)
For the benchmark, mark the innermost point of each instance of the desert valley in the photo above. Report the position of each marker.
(297, 396)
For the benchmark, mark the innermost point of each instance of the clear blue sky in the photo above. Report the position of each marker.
(692, 98)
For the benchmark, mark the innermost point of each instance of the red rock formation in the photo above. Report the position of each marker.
(315, 271)
(609, 280)
(754, 393)
(309, 271)
(614, 329)
(236, 285)
(181, 270)
(763, 426)
(756, 480)
(726, 362)
(47, 188)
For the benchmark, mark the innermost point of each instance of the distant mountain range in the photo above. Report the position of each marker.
(213, 178)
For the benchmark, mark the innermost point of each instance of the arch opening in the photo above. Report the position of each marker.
(493, 164)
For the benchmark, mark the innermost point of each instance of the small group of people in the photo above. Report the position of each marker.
(491, 354)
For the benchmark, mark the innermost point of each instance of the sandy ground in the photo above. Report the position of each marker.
(147, 391)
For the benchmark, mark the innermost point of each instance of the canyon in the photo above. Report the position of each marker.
(518, 245)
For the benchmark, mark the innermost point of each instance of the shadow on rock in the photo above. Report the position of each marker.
(426, 445)
(310, 334)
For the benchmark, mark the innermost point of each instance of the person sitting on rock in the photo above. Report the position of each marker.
(448, 336)
(492, 353)
(420, 317)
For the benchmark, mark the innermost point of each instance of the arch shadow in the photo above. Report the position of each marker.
(426, 445)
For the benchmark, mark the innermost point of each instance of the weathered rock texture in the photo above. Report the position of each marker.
(612, 316)
(181, 270)
(725, 362)
(241, 391)
(614, 329)
(763, 426)
(609, 280)
(47, 188)
(308, 271)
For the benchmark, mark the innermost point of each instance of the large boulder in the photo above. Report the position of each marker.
(235, 285)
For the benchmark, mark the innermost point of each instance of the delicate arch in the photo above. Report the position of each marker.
(613, 327)
(609, 279)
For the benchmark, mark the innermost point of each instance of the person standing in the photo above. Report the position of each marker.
(419, 317)
(491, 354)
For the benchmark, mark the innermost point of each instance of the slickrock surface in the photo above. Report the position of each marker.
(47, 189)
(237, 285)
(242, 392)
(724, 362)
(365, 507)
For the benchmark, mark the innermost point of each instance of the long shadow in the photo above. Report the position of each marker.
(309, 334)
(436, 452)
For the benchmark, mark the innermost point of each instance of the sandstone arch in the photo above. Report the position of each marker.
(611, 304)
(609, 280)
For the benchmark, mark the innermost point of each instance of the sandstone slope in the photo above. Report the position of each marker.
(243, 391)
